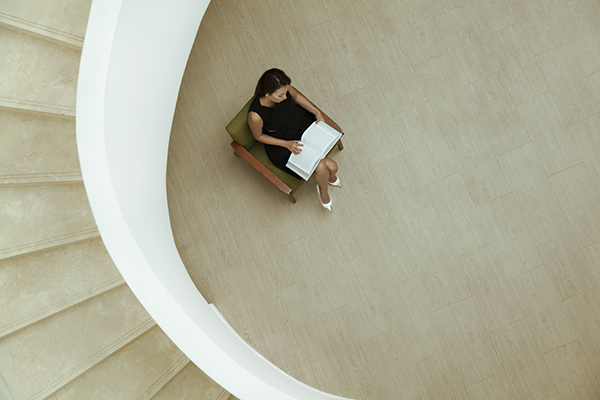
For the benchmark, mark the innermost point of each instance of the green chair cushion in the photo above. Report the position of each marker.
(239, 130)
(258, 151)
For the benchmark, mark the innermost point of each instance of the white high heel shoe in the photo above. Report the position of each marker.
(328, 205)
(337, 182)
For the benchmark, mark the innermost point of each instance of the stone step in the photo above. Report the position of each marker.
(191, 384)
(36, 218)
(50, 243)
(42, 358)
(42, 284)
(38, 76)
(37, 108)
(69, 326)
(37, 150)
(60, 178)
(41, 32)
(137, 371)
(62, 22)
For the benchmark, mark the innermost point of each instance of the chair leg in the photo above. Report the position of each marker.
(340, 145)
(291, 196)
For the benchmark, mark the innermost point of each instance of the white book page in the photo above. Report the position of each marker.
(306, 161)
(319, 138)
(304, 175)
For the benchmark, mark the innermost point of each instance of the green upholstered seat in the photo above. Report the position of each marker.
(240, 132)
(258, 151)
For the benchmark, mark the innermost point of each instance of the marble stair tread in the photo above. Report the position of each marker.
(65, 20)
(49, 243)
(59, 178)
(44, 283)
(68, 322)
(42, 32)
(191, 384)
(136, 371)
(37, 108)
(37, 148)
(39, 217)
(37, 73)
(64, 346)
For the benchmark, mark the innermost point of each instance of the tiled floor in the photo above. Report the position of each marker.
(462, 258)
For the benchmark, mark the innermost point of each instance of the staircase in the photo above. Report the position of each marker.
(70, 328)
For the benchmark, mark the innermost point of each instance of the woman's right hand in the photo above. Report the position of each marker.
(294, 146)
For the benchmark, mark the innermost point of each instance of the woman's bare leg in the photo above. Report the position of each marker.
(326, 172)
(322, 177)
(332, 167)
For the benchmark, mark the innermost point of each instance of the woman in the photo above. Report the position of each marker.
(278, 116)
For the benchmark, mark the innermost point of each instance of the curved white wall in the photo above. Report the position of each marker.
(133, 60)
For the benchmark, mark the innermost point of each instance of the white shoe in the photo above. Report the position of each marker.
(337, 182)
(328, 205)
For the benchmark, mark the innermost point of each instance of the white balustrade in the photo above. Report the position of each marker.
(133, 60)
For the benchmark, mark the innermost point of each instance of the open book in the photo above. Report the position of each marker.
(317, 139)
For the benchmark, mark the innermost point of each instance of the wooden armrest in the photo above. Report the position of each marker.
(245, 154)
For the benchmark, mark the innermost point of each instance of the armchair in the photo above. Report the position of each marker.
(245, 146)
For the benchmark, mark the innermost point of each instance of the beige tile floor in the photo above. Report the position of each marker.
(462, 258)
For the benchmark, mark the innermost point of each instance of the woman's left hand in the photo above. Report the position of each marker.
(319, 116)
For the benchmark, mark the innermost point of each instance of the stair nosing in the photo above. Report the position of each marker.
(40, 31)
(37, 108)
(47, 244)
(224, 395)
(41, 178)
(57, 308)
(165, 377)
(94, 360)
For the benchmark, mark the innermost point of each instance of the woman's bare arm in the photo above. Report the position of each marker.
(305, 103)
(255, 123)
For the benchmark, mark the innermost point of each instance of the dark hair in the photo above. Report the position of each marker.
(270, 81)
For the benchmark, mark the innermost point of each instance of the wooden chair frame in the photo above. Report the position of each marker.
(240, 151)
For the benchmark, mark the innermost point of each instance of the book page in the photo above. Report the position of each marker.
(319, 138)
(302, 174)
(305, 162)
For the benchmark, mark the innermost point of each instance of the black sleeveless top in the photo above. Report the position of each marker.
(287, 121)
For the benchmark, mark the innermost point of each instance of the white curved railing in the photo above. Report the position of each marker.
(133, 60)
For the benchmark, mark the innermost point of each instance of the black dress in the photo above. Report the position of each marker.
(287, 121)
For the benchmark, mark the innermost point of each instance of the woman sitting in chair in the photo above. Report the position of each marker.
(278, 116)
